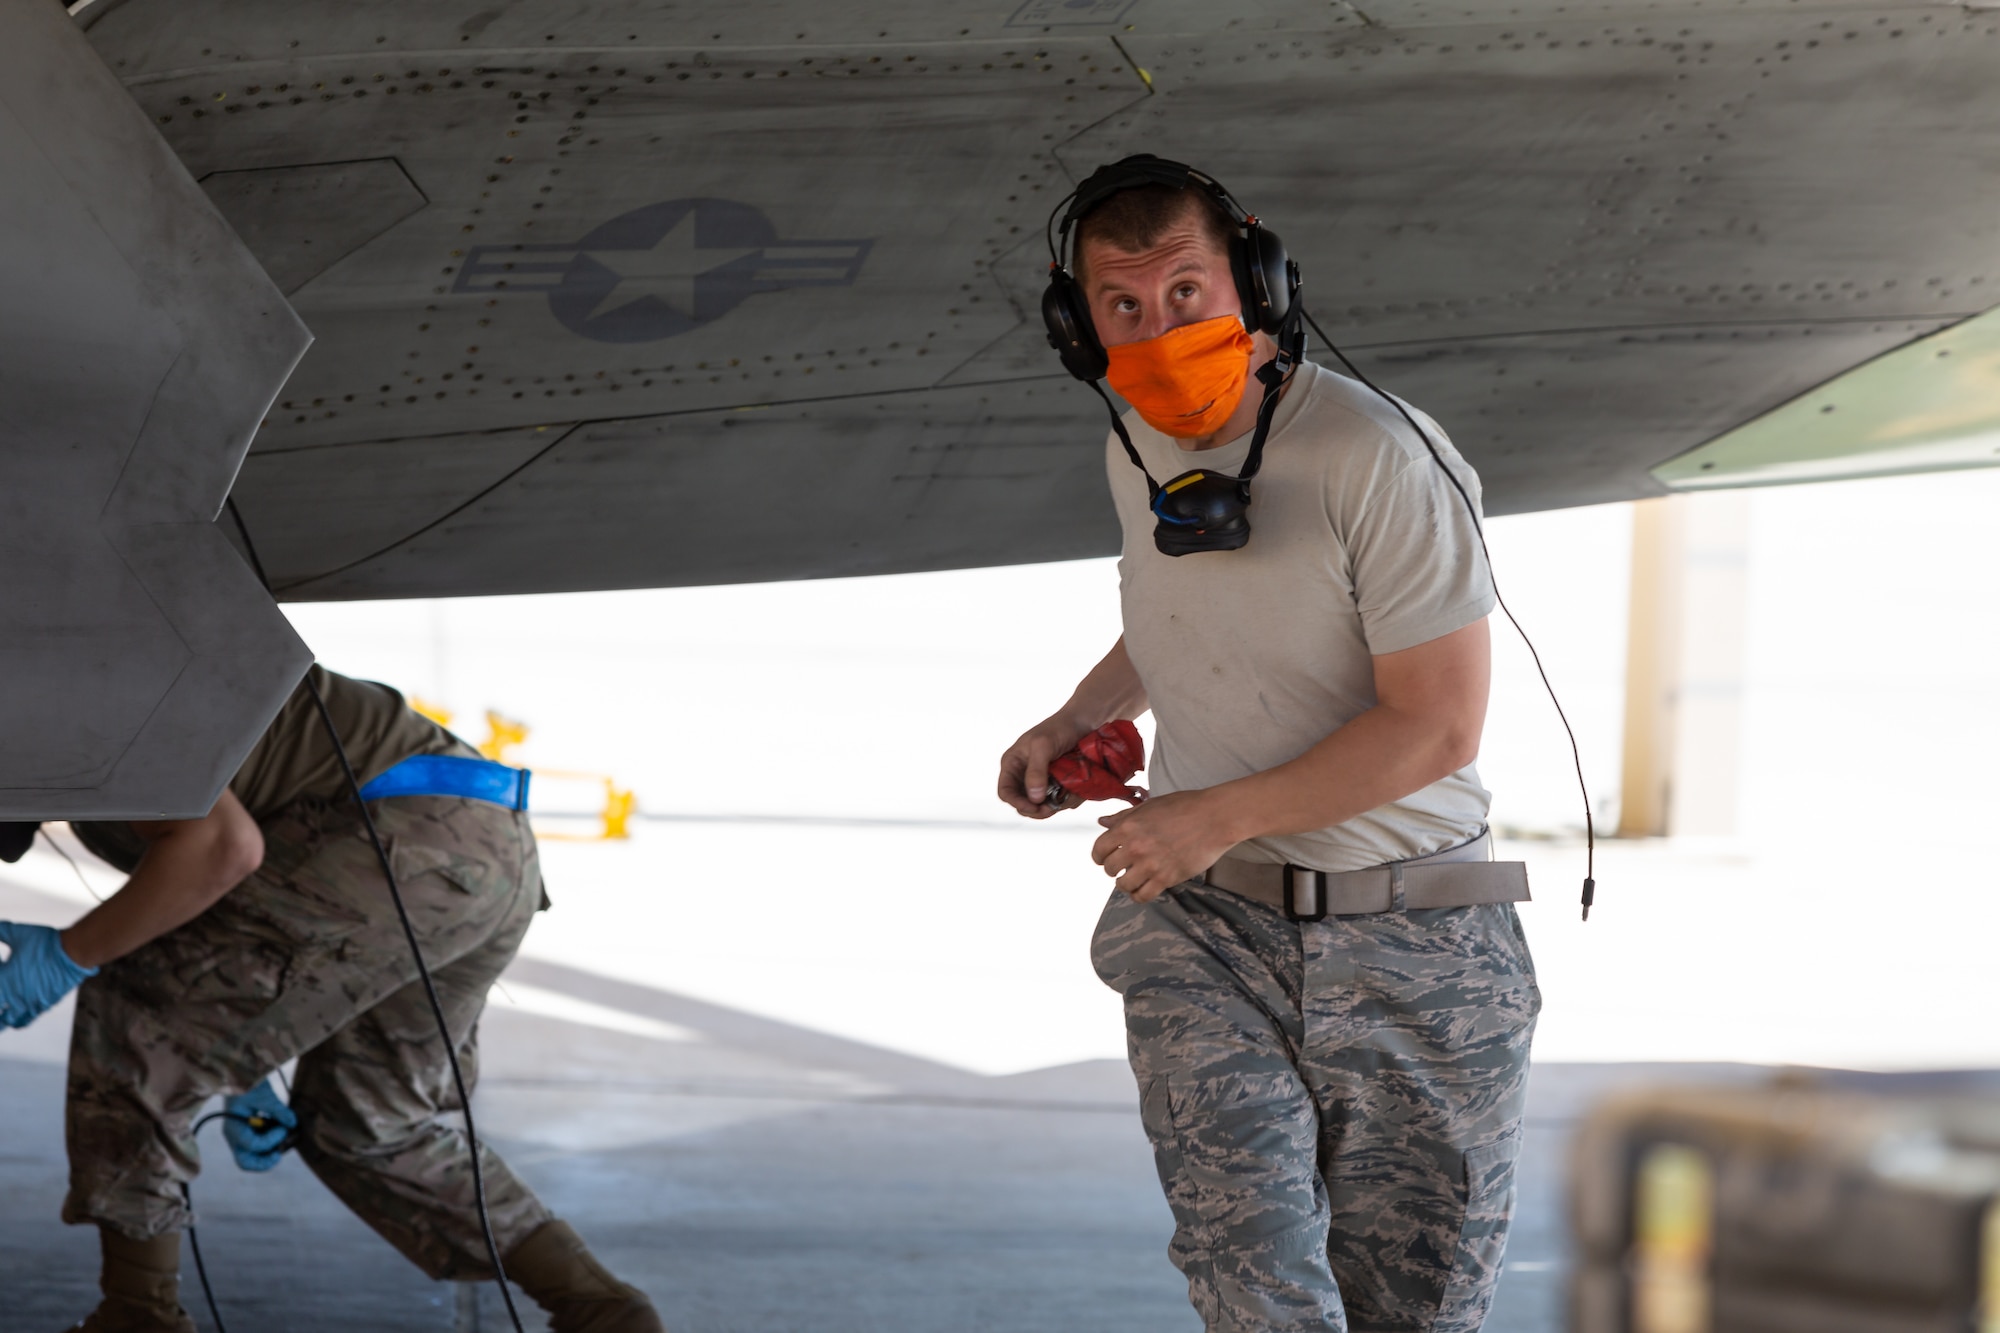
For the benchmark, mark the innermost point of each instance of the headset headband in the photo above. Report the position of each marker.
(1125, 174)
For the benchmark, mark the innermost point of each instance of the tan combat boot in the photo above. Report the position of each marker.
(555, 1268)
(141, 1282)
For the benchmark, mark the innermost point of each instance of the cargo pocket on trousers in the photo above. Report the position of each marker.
(1237, 1155)
(1193, 1243)
(1482, 1235)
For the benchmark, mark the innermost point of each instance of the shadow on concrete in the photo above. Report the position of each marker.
(752, 1175)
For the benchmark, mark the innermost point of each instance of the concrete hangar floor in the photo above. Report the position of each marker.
(751, 1175)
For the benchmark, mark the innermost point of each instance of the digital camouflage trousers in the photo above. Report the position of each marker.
(1334, 1106)
(306, 958)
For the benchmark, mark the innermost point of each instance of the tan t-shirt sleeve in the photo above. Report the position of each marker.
(1418, 571)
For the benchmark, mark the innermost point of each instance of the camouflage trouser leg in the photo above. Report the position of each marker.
(307, 958)
(1334, 1106)
(382, 1130)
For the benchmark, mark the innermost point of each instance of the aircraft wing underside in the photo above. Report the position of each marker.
(616, 294)
(620, 294)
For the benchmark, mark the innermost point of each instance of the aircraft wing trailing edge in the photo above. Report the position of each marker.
(621, 294)
(139, 346)
(636, 293)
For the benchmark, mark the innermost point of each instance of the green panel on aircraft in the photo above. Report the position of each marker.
(1929, 406)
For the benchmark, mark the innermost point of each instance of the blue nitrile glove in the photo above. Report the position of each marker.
(37, 972)
(258, 1146)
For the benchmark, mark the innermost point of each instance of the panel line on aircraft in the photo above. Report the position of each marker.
(1146, 91)
(516, 471)
(716, 409)
(1587, 331)
(296, 584)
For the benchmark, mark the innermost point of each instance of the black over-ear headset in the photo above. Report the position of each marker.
(1197, 510)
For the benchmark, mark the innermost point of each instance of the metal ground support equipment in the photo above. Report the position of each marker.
(1790, 1208)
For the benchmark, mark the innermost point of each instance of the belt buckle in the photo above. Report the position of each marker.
(1305, 893)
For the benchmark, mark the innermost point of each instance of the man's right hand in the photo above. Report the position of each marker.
(259, 1127)
(1111, 690)
(1024, 768)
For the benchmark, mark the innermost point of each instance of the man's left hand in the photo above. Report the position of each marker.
(1154, 846)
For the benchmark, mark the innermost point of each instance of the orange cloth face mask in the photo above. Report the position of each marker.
(1187, 381)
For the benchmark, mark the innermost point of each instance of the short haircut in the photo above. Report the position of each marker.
(1134, 220)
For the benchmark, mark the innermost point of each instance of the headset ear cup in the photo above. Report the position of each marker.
(1246, 282)
(1263, 278)
(1071, 333)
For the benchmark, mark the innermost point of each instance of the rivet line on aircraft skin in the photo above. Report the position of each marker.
(446, 70)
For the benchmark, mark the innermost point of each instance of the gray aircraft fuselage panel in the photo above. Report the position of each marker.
(615, 294)
(140, 344)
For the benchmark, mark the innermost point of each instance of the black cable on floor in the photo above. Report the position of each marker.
(1575, 754)
(194, 1239)
(416, 950)
(200, 1268)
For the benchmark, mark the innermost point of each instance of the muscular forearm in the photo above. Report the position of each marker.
(1380, 756)
(1110, 691)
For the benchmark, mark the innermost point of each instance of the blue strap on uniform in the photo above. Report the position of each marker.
(452, 775)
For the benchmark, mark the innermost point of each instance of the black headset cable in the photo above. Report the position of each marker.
(194, 1233)
(194, 1243)
(416, 951)
(1479, 528)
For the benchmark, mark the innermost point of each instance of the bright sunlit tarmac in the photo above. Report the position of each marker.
(1851, 922)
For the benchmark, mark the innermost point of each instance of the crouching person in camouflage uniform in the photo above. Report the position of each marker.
(1328, 997)
(265, 932)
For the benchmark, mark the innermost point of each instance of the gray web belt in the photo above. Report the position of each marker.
(1461, 876)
